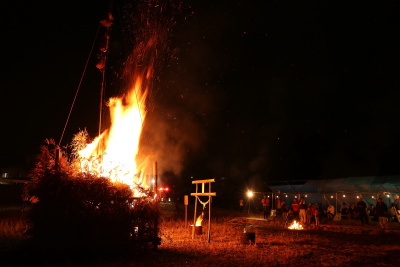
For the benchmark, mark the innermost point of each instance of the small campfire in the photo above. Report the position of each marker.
(198, 228)
(295, 226)
(200, 219)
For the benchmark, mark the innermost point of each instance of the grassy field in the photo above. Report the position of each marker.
(274, 244)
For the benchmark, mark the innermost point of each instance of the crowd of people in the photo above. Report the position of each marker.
(311, 213)
(379, 212)
(305, 213)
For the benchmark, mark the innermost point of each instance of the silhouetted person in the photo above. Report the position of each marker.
(302, 211)
(285, 210)
(241, 205)
(330, 211)
(372, 213)
(266, 206)
(362, 211)
(382, 213)
(396, 206)
(295, 208)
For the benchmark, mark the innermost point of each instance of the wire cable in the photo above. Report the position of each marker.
(79, 85)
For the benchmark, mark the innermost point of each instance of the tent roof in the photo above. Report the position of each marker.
(350, 184)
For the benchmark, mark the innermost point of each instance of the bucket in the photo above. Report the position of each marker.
(198, 230)
(248, 238)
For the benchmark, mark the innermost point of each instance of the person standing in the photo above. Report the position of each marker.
(352, 211)
(285, 210)
(265, 203)
(362, 211)
(382, 213)
(278, 205)
(302, 211)
(344, 209)
(330, 211)
(372, 213)
(241, 205)
(315, 214)
(309, 213)
(295, 208)
(396, 205)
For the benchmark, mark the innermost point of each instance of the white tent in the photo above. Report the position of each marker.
(341, 190)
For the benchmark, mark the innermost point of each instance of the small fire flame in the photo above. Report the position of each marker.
(200, 219)
(295, 226)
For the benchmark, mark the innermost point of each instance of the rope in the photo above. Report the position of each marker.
(203, 203)
(79, 85)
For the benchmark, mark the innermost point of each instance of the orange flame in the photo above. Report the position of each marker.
(199, 219)
(295, 226)
(113, 153)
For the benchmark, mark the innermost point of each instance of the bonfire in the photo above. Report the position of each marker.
(295, 226)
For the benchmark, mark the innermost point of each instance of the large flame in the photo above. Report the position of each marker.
(113, 153)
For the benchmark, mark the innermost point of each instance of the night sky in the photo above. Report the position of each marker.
(249, 91)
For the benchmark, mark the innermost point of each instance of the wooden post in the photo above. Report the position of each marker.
(155, 177)
(186, 202)
(194, 219)
(209, 215)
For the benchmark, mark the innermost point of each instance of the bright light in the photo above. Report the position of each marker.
(373, 197)
(153, 181)
(250, 194)
(344, 195)
(331, 196)
(388, 195)
(306, 195)
(296, 226)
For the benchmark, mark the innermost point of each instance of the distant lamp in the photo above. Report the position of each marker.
(344, 195)
(331, 196)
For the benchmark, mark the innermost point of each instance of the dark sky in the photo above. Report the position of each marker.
(251, 90)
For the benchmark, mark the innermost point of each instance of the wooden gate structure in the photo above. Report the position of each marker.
(198, 194)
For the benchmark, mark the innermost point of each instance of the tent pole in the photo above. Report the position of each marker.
(336, 208)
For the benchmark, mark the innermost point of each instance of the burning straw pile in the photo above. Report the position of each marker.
(83, 214)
